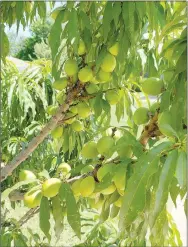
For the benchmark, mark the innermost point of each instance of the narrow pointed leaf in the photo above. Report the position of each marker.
(44, 217)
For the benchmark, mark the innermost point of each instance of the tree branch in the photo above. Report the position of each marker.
(28, 215)
(24, 154)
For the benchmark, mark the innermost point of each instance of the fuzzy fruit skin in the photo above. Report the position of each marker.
(61, 83)
(50, 187)
(52, 110)
(114, 50)
(164, 119)
(57, 132)
(87, 186)
(85, 74)
(84, 110)
(118, 203)
(105, 144)
(74, 109)
(109, 190)
(71, 67)
(77, 126)
(76, 187)
(92, 88)
(64, 169)
(154, 107)
(112, 97)
(81, 48)
(125, 151)
(104, 170)
(152, 86)
(108, 63)
(141, 116)
(89, 150)
(26, 175)
(120, 179)
(32, 198)
(103, 76)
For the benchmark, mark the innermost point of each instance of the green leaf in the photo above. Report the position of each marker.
(165, 101)
(107, 18)
(165, 179)
(116, 12)
(181, 169)
(6, 239)
(73, 29)
(181, 64)
(73, 216)
(174, 190)
(135, 197)
(105, 211)
(57, 211)
(44, 217)
(5, 45)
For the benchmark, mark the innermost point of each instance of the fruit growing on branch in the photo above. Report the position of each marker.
(26, 175)
(141, 116)
(50, 187)
(71, 67)
(108, 63)
(152, 86)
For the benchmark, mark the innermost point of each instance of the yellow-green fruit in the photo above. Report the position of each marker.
(74, 109)
(70, 118)
(92, 88)
(57, 132)
(77, 126)
(109, 190)
(141, 116)
(87, 169)
(154, 107)
(71, 67)
(105, 145)
(114, 49)
(104, 170)
(152, 86)
(108, 63)
(164, 120)
(120, 179)
(118, 203)
(61, 83)
(64, 170)
(87, 186)
(60, 97)
(26, 175)
(104, 76)
(168, 75)
(96, 204)
(76, 187)
(50, 187)
(112, 97)
(81, 48)
(32, 198)
(52, 110)
(89, 150)
(94, 80)
(83, 110)
(85, 74)
(124, 150)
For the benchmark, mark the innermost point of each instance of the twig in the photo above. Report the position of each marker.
(28, 215)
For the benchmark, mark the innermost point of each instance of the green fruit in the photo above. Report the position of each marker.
(152, 86)
(114, 49)
(141, 116)
(87, 169)
(108, 63)
(109, 190)
(64, 170)
(154, 107)
(168, 75)
(92, 88)
(83, 110)
(118, 203)
(87, 186)
(50, 187)
(26, 175)
(57, 132)
(120, 179)
(81, 48)
(112, 97)
(60, 97)
(85, 74)
(71, 67)
(96, 204)
(125, 151)
(165, 123)
(105, 145)
(69, 118)
(104, 76)
(61, 83)
(74, 109)
(89, 150)
(52, 110)
(76, 187)
(32, 198)
(77, 126)
(101, 173)
(94, 80)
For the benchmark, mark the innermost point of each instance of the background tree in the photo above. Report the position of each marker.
(99, 50)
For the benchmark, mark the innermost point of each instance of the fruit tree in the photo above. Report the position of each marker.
(102, 126)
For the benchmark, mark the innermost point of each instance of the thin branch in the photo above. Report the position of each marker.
(28, 215)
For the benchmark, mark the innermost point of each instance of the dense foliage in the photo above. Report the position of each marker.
(105, 57)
